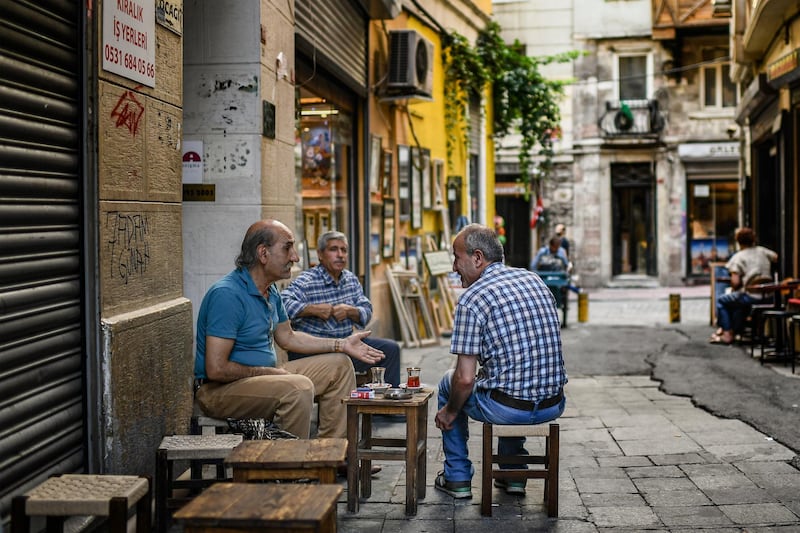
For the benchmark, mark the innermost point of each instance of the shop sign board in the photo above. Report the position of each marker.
(702, 151)
(784, 70)
(170, 15)
(129, 40)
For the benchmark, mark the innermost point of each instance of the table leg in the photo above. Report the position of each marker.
(422, 458)
(412, 438)
(352, 458)
(366, 464)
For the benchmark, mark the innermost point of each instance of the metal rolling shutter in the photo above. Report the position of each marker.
(336, 31)
(41, 378)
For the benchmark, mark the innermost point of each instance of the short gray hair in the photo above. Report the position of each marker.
(479, 237)
(328, 236)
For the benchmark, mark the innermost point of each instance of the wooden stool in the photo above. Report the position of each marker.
(776, 321)
(68, 495)
(287, 459)
(549, 461)
(206, 425)
(262, 507)
(199, 450)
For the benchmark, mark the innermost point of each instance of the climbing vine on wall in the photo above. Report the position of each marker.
(524, 101)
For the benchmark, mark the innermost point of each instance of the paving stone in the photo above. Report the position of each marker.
(604, 485)
(598, 472)
(678, 458)
(738, 495)
(719, 469)
(766, 467)
(766, 451)
(612, 499)
(624, 461)
(664, 483)
(623, 516)
(655, 471)
(672, 498)
(658, 446)
(774, 513)
(722, 482)
(702, 515)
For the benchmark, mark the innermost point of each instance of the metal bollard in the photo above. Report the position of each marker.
(583, 307)
(674, 307)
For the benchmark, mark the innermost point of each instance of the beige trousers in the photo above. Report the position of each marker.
(288, 399)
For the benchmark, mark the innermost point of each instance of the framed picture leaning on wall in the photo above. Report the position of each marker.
(388, 227)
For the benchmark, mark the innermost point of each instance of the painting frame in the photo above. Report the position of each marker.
(416, 187)
(388, 227)
(427, 193)
(386, 172)
(403, 182)
(375, 164)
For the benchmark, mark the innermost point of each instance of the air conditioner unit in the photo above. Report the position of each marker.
(410, 64)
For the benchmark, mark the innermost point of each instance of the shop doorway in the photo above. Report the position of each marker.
(713, 209)
(516, 213)
(633, 219)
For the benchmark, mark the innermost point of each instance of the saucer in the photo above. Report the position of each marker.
(413, 389)
(379, 388)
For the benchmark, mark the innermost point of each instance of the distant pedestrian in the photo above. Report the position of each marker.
(507, 323)
(561, 231)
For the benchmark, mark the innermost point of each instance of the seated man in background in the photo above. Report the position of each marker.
(236, 372)
(750, 264)
(551, 258)
(328, 301)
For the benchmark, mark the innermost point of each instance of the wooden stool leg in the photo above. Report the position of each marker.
(162, 490)
(144, 516)
(551, 483)
(486, 474)
(55, 524)
(352, 459)
(118, 515)
(20, 522)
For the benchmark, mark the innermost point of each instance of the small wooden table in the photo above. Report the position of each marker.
(260, 507)
(257, 460)
(412, 449)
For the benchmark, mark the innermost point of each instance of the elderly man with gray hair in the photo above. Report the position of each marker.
(328, 301)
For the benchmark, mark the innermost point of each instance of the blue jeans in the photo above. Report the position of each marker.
(479, 406)
(732, 310)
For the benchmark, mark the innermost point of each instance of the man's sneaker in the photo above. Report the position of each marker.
(512, 487)
(456, 489)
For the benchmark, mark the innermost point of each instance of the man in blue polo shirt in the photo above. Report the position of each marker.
(236, 372)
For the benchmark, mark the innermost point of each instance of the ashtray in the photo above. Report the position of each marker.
(394, 393)
(379, 388)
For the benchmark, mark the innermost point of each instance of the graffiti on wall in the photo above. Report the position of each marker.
(128, 244)
(128, 112)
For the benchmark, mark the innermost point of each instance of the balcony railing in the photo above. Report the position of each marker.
(632, 119)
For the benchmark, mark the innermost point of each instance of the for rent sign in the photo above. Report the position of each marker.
(129, 40)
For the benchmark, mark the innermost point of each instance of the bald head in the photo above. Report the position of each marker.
(264, 232)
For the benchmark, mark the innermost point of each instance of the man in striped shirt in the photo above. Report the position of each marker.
(507, 323)
(328, 301)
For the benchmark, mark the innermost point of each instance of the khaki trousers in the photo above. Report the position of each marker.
(288, 399)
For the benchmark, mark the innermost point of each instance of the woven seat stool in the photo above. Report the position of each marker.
(549, 462)
(68, 495)
(198, 450)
